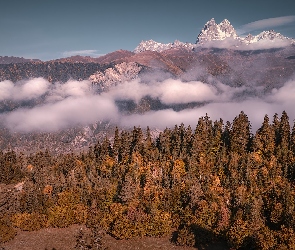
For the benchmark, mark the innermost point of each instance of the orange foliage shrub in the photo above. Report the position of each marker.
(68, 211)
(29, 222)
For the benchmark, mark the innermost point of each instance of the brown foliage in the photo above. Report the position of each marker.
(29, 222)
(7, 232)
(214, 183)
(68, 211)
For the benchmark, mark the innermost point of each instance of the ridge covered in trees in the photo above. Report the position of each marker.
(52, 71)
(217, 182)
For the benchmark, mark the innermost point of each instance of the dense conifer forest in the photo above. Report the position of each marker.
(52, 71)
(215, 182)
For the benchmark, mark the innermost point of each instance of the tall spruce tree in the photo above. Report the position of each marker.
(264, 139)
(240, 134)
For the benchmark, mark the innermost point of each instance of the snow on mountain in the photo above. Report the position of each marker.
(219, 35)
(152, 45)
(224, 34)
(120, 73)
(213, 31)
(159, 47)
(265, 35)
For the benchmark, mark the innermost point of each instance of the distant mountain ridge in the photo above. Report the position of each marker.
(12, 59)
(222, 35)
(159, 47)
(177, 59)
(213, 32)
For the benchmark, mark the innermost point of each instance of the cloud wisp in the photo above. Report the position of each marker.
(87, 52)
(38, 87)
(61, 106)
(169, 91)
(234, 44)
(224, 106)
(266, 24)
(22, 91)
(69, 112)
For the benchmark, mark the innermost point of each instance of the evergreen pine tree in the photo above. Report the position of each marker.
(240, 134)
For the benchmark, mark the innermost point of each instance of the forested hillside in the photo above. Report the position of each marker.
(52, 71)
(215, 182)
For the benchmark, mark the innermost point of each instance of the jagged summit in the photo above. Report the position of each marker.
(159, 47)
(270, 35)
(152, 45)
(213, 31)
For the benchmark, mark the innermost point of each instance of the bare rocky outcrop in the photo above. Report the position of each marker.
(120, 73)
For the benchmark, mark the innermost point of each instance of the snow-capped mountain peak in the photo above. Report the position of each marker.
(213, 31)
(210, 23)
(152, 45)
(270, 35)
(249, 39)
(159, 47)
(225, 21)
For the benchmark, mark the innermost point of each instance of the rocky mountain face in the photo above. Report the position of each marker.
(112, 76)
(266, 35)
(213, 31)
(159, 47)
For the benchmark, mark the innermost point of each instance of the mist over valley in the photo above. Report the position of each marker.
(145, 124)
(157, 85)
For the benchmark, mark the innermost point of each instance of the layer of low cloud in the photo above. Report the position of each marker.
(69, 112)
(58, 91)
(266, 24)
(171, 91)
(231, 43)
(38, 87)
(61, 106)
(28, 90)
(255, 109)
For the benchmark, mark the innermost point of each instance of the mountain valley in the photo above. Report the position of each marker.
(218, 56)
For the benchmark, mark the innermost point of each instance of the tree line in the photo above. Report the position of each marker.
(52, 71)
(216, 182)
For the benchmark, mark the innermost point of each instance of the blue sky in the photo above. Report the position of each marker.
(57, 28)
